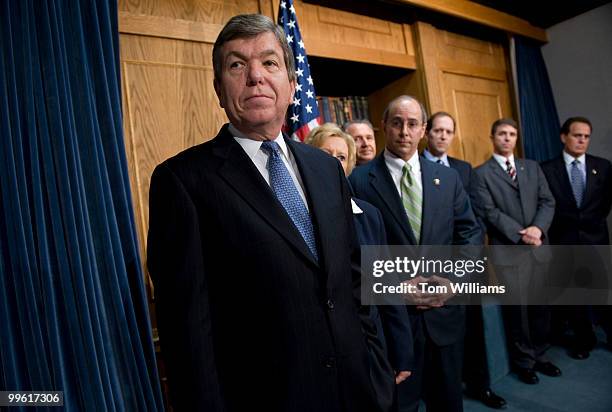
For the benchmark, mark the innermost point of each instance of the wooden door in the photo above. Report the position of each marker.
(468, 78)
(169, 102)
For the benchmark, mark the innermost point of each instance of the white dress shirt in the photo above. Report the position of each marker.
(396, 166)
(260, 158)
(501, 161)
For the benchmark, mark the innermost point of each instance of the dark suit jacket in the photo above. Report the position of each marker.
(584, 225)
(507, 207)
(247, 318)
(447, 219)
(464, 169)
(394, 319)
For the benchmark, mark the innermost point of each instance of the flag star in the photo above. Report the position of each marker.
(300, 73)
(300, 58)
(309, 80)
(295, 118)
(291, 24)
(292, 9)
(309, 93)
(298, 87)
(301, 43)
(309, 108)
(283, 5)
(289, 38)
(296, 101)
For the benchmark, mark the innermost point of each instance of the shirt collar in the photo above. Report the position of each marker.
(502, 160)
(568, 158)
(398, 163)
(429, 156)
(251, 147)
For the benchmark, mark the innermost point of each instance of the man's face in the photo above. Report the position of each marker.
(364, 141)
(440, 135)
(504, 140)
(577, 140)
(404, 128)
(254, 88)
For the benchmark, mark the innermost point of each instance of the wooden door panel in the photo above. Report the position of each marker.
(468, 78)
(476, 103)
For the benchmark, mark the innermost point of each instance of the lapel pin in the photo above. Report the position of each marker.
(594, 171)
(437, 182)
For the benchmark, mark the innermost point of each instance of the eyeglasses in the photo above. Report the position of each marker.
(399, 124)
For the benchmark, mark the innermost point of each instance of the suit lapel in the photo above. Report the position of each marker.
(429, 177)
(501, 174)
(523, 182)
(316, 194)
(382, 183)
(240, 173)
(563, 181)
(591, 176)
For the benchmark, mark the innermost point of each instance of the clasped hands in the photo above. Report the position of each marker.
(424, 300)
(531, 235)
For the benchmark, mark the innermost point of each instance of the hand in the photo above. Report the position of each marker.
(401, 376)
(418, 298)
(443, 297)
(532, 235)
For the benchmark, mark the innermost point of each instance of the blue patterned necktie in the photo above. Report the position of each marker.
(577, 181)
(287, 194)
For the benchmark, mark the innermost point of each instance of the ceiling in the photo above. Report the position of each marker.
(542, 13)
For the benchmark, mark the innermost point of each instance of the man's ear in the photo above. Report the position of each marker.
(217, 86)
(292, 86)
(563, 138)
(423, 129)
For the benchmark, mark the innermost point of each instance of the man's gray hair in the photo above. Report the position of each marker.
(244, 26)
(357, 121)
(401, 99)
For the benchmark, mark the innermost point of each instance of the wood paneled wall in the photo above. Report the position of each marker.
(343, 35)
(169, 102)
(468, 78)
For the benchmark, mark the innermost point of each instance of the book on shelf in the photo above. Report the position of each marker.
(340, 110)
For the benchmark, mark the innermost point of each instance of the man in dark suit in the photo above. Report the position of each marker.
(440, 133)
(515, 203)
(422, 204)
(582, 187)
(253, 252)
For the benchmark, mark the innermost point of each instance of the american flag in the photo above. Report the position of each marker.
(303, 114)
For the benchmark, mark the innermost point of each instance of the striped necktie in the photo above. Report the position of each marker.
(412, 200)
(510, 170)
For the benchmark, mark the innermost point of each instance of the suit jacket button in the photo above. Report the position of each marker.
(330, 362)
(330, 304)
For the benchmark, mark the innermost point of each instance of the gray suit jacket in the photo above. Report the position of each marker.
(507, 207)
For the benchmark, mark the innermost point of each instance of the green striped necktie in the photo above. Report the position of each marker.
(412, 199)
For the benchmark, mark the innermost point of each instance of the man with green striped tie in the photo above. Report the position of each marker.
(422, 203)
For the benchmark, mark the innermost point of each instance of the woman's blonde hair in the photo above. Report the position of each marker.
(318, 135)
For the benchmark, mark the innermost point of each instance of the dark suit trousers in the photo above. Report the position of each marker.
(527, 330)
(475, 367)
(436, 377)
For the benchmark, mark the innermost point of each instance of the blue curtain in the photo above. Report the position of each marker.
(539, 119)
(73, 311)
